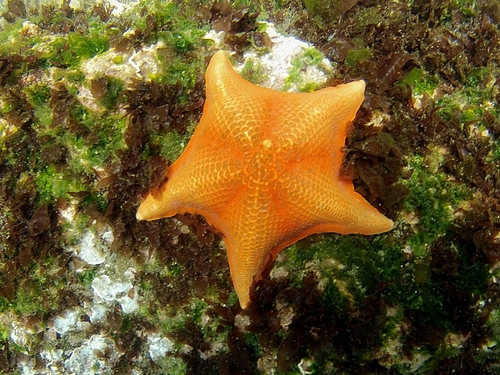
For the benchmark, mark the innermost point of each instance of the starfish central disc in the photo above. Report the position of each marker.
(261, 170)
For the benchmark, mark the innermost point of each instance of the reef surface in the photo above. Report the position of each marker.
(97, 99)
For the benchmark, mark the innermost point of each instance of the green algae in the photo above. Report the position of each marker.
(4, 332)
(38, 293)
(38, 95)
(108, 91)
(334, 300)
(495, 153)
(180, 34)
(86, 277)
(472, 101)
(313, 57)
(358, 262)
(467, 7)
(171, 365)
(325, 11)
(101, 150)
(494, 327)
(5, 304)
(52, 184)
(177, 71)
(309, 57)
(369, 16)
(253, 71)
(186, 40)
(12, 40)
(433, 198)
(73, 48)
(359, 54)
(420, 82)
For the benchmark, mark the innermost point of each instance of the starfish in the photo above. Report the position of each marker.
(263, 167)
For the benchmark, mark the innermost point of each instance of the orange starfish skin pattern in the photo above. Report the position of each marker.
(263, 167)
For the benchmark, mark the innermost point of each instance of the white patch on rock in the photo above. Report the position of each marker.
(27, 365)
(94, 249)
(97, 313)
(277, 64)
(53, 361)
(216, 37)
(29, 29)
(145, 60)
(125, 65)
(119, 7)
(120, 291)
(66, 321)
(68, 213)
(159, 346)
(95, 356)
(19, 334)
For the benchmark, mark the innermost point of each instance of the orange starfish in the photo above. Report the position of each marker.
(263, 167)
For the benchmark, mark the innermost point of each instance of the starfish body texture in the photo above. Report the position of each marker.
(263, 167)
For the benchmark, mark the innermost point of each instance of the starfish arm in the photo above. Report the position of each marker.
(234, 107)
(329, 204)
(253, 233)
(318, 121)
(198, 182)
